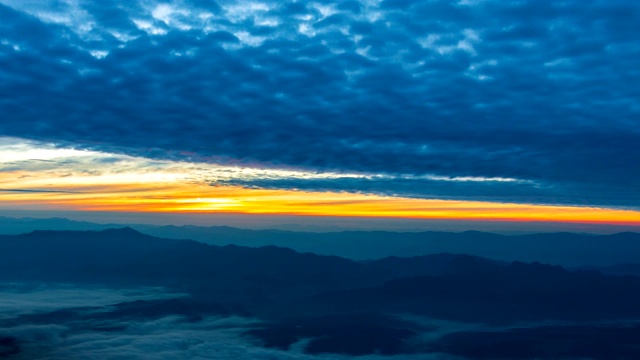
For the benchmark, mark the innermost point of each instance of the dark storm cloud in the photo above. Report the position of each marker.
(540, 91)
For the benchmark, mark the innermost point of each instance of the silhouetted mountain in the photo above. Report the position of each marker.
(338, 305)
(447, 286)
(567, 249)
(619, 269)
(125, 256)
(488, 292)
(15, 226)
(555, 248)
(434, 265)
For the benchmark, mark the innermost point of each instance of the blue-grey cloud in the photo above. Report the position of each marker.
(543, 92)
(66, 322)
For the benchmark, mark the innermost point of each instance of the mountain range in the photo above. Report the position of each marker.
(567, 249)
(340, 305)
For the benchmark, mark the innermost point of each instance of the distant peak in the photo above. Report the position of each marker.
(124, 230)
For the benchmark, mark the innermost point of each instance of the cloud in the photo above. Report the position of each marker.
(33, 191)
(89, 330)
(545, 93)
(26, 298)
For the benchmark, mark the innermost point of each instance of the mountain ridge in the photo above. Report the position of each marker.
(569, 249)
(339, 304)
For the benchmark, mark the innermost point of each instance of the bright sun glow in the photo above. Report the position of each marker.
(37, 176)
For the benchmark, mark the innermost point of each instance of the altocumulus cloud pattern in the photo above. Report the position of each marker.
(515, 101)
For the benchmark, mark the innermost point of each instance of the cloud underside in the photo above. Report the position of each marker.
(418, 94)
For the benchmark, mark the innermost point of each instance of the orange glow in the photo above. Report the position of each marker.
(174, 195)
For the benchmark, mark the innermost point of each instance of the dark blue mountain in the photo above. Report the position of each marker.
(567, 249)
(343, 306)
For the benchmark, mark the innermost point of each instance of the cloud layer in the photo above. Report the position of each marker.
(88, 327)
(416, 93)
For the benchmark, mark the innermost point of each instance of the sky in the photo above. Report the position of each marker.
(490, 111)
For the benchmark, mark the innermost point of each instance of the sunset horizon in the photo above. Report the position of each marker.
(41, 176)
(319, 179)
(371, 108)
